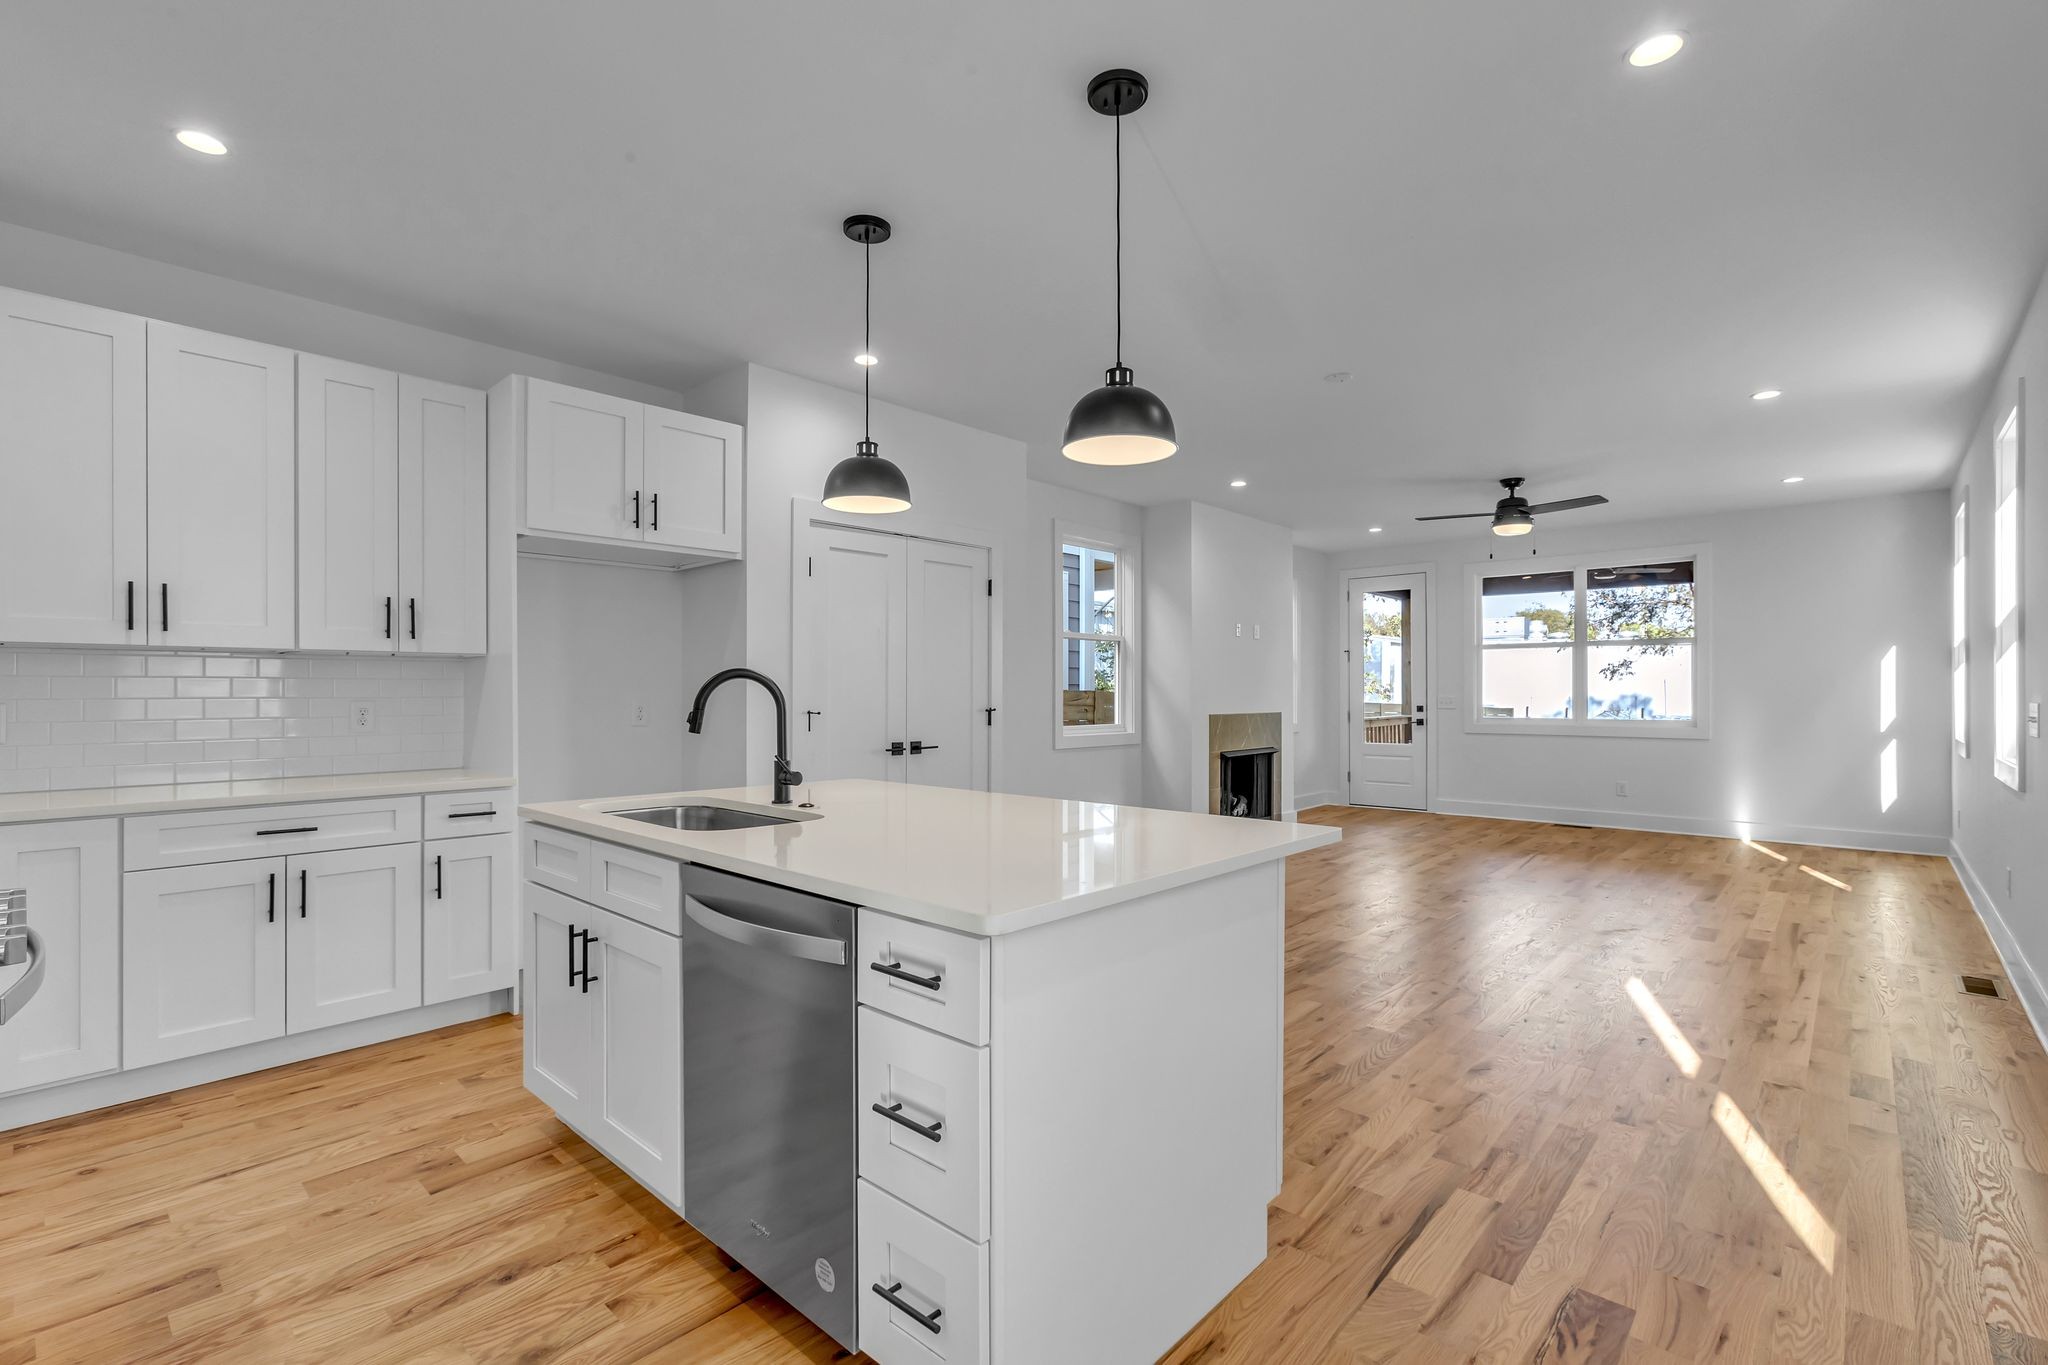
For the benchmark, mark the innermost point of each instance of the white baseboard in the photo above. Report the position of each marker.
(1820, 836)
(2019, 973)
(118, 1087)
(1309, 800)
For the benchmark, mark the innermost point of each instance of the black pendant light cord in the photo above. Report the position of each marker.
(867, 330)
(1119, 232)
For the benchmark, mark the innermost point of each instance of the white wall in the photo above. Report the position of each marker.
(1219, 625)
(1318, 764)
(960, 478)
(1998, 832)
(1805, 603)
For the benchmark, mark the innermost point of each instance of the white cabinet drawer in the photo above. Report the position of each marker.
(641, 886)
(555, 858)
(911, 1076)
(187, 838)
(940, 1275)
(452, 815)
(929, 976)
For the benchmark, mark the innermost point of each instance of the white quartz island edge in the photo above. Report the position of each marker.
(981, 863)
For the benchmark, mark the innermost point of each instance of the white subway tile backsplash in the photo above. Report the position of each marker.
(104, 719)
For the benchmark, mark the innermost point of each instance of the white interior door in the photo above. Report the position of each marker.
(441, 556)
(851, 608)
(72, 473)
(1386, 716)
(348, 506)
(947, 676)
(221, 515)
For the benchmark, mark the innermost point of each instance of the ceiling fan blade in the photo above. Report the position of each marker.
(1459, 516)
(1567, 504)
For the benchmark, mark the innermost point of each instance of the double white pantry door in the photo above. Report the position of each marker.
(892, 659)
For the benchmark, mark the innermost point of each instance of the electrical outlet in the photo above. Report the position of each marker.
(1621, 789)
(361, 716)
(637, 714)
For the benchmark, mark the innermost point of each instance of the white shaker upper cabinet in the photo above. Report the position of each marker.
(583, 462)
(691, 481)
(348, 506)
(441, 561)
(72, 473)
(220, 491)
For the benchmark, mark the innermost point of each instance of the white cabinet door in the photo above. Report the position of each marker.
(352, 935)
(220, 491)
(72, 872)
(202, 953)
(72, 468)
(583, 462)
(947, 677)
(348, 506)
(692, 481)
(637, 1116)
(561, 1041)
(441, 520)
(470, 922)
(851, 607)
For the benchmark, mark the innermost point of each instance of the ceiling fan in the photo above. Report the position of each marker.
(1515, 515)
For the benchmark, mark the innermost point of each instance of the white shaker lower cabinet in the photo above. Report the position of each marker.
(352, 936)
(469, 924)
(202, 952)
(72, 873)
(604, 1011)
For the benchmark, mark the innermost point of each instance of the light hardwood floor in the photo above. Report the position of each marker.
(1555, 1095)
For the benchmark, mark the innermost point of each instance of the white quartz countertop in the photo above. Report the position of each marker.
(86, 803)
(980, 862)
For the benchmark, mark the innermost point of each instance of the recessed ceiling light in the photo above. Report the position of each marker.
(1795, 478)
(1337, 377)
(1658, 47)
(1766, 395)
(865, 359)
(1237, 483)
(202, 142)
(1374, 530)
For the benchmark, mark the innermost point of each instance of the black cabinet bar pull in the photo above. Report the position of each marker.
(295, 829)
(167, 604)
(387, 618)
(302, 893)
(636, 509)
(918, 746)
(437, 876)
(654, 511)
(412, 616)
(894, 1113)
(928, 1321)
(895, 969)
(469, 814)
(272, 916)
(131, 604)
(588, 939)
(574, 932)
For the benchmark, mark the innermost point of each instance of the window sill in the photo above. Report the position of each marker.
(1107, 737)
(1601, 729)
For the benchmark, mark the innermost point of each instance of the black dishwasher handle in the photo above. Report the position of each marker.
(894, 1113)
(895, 969)
(928, 1321)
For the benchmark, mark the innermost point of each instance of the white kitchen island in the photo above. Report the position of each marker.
(1065, 1060)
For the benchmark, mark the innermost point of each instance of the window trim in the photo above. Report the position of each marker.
(1959, 626)
(2008, 634)
(1699, 727)
(1130, 686)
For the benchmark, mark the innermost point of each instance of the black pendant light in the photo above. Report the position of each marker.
(864, 481)
(1119, 423)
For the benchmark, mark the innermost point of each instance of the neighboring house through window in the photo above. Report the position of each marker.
(1096, 658)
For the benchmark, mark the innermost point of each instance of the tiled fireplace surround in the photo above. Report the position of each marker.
(1244, 730)
(92, 718)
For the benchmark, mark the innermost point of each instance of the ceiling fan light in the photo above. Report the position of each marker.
(1119, 424)
(865, 482)
(1513, 523)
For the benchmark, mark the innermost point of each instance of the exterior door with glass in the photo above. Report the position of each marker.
(1386, 712)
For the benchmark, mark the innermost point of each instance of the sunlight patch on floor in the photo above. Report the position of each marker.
(1818, 875)
(1675, 1046)
(1776, 1182)
(1767, 852)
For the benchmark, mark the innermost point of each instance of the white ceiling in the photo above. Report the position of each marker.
(1534, 259)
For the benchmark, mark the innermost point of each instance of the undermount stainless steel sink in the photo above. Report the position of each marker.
(700, 817)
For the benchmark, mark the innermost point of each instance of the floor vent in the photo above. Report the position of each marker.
(1981, 985)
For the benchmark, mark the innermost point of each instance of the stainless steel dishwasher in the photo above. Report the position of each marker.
(769, 1141)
